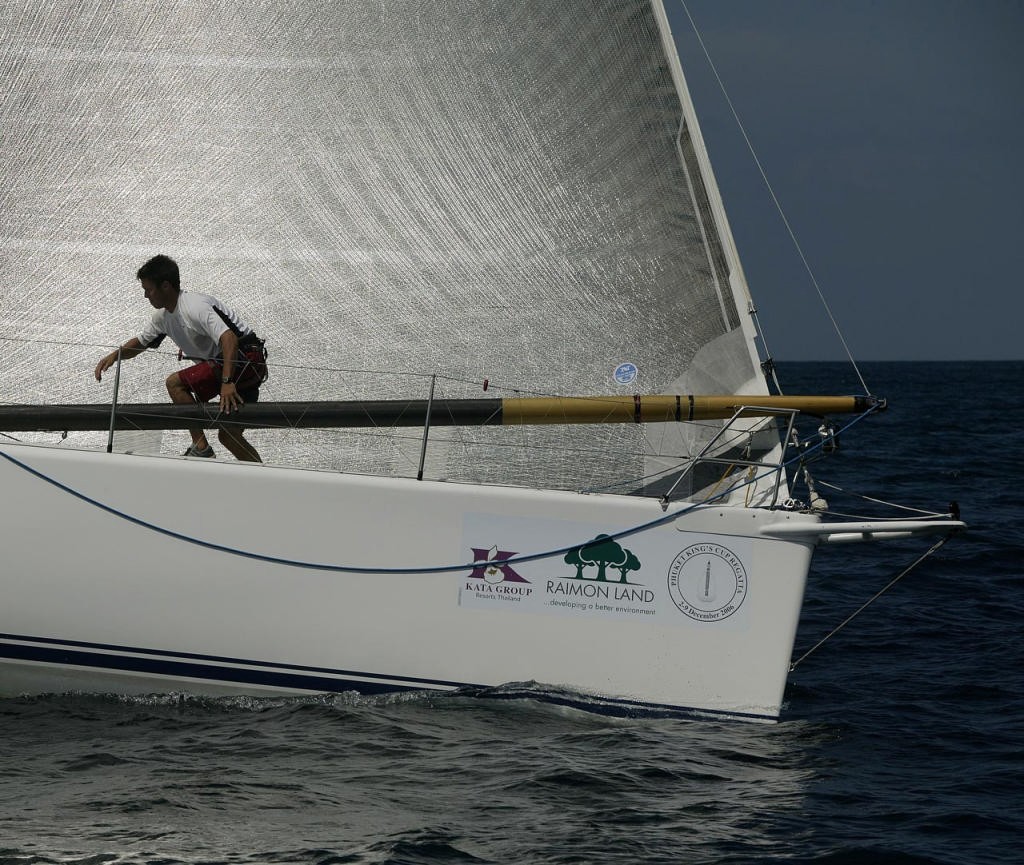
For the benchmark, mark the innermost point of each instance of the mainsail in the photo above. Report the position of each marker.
(469, 188)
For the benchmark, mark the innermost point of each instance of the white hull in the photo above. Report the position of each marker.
(154, 574)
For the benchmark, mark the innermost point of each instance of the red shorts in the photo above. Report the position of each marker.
(204, 379)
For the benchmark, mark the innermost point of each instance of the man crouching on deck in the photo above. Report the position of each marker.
(232, 358)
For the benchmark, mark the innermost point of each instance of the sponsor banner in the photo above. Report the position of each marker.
(669, 577)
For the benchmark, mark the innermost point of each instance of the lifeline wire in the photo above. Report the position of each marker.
(366, 570)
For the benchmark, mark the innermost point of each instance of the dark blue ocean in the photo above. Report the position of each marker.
(902, 739)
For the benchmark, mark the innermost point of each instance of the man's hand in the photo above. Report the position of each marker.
(229, 399)
(105, 363)
(129, 349)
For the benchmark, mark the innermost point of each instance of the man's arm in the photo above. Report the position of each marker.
(129, 349)
(229, 398)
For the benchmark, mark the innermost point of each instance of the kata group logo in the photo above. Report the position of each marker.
(491, 566)
(493, 579)
(707, 582)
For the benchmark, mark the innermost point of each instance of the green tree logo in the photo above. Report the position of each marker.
(602, 553)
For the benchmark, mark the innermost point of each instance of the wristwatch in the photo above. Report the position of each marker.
(226, 380)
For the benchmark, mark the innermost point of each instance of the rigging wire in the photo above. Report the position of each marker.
(775, 199)
(868, 498)
(933, 549)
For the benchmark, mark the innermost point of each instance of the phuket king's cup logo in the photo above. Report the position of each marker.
(707, 582)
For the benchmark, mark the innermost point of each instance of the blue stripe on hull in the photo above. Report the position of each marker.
(206, 672)
(214, 668)
(240, 672)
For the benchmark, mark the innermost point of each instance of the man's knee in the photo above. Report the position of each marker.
(174, 383)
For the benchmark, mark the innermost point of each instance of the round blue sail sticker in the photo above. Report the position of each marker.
(625, 373)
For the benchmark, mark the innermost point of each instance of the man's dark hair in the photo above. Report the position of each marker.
(160, 268)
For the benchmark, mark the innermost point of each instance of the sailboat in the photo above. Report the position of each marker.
(518, 429)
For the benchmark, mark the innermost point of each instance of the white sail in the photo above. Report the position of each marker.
(483, 190)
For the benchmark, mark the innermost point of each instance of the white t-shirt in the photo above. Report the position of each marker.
(196, 325)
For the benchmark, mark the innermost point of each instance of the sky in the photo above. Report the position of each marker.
(892, 132)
